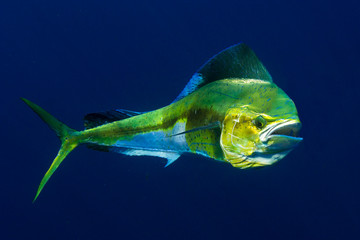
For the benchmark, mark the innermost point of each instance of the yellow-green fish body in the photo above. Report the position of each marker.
(230, 111)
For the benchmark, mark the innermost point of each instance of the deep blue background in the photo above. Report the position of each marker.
(75, 57)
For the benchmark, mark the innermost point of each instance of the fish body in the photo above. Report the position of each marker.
(230, 111)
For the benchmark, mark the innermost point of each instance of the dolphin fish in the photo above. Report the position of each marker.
(230, 111)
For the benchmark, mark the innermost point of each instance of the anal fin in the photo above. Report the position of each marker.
(168, 155)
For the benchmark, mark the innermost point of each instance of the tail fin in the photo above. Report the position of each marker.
(65, 134)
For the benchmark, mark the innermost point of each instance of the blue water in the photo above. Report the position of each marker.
(75, 57)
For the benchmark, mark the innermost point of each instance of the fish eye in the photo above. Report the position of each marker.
(259, 122)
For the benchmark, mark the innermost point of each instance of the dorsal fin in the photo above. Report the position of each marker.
(237, 61)
(92, 120)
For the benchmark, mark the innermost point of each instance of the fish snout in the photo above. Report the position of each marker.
(282, 136)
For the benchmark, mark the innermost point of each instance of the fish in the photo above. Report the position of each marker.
(230, 111)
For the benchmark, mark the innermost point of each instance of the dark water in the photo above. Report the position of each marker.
(75, 57)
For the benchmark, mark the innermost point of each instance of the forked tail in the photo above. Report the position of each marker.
(66, 135)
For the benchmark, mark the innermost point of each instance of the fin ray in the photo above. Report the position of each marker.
(237, 61)
(63, 152)
(92, 120)
(65, 134)
(210, 126)
(168, 155)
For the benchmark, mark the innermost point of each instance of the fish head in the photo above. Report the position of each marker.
(261, 132)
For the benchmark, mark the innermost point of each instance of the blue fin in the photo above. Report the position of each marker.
(92, 120)
(171, 158)
(168, 155)
(213, 125)
(237, 61)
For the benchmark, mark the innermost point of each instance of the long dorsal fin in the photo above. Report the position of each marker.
(237, 61)
(92, 120)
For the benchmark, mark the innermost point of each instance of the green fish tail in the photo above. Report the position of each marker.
(65, 134)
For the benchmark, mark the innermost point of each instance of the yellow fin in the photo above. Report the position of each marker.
(65, 134)
(65, 149)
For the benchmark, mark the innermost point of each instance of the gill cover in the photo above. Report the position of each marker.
(252, 139)
(239, 136)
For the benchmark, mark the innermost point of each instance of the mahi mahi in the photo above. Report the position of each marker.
(230, 111)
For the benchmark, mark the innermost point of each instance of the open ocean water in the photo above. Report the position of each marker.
(76, 57)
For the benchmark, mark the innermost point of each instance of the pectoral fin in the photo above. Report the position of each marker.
(210, 126)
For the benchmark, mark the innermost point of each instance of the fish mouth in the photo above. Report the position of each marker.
(283, 136)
